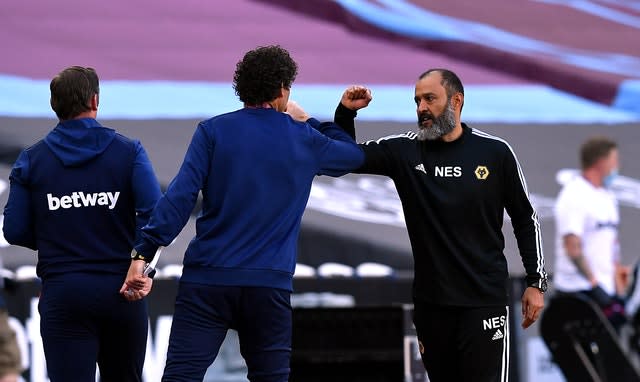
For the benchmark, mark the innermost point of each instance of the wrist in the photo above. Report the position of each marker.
(135, 255)
(346, 110)
(144, 250)
(540, 284)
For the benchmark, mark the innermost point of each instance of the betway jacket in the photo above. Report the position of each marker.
(254, 167)
(78, 196)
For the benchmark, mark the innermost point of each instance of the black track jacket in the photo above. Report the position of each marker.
(454, 196)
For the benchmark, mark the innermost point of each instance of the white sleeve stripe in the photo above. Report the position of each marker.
(534, 216)
(410, 135)
(506, 344)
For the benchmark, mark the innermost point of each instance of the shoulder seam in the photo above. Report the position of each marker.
(408, 135)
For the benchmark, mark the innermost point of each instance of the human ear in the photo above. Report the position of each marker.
(458, 99)
(95, 100)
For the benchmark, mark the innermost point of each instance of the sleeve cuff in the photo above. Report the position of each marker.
(144, 251)
(345, 111)
(535, 279)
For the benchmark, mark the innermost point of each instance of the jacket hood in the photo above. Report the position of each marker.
(78, 141)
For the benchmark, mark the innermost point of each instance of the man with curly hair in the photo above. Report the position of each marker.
(254, 167)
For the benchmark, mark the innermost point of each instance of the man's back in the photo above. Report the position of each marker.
(262, 166)
(82, 191)
(254, 167)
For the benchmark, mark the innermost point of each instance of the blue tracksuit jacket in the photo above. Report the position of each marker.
(254, 167)
(77, 197)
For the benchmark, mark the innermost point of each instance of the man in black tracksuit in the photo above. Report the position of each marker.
(455, 183)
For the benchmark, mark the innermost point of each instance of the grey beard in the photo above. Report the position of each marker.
(440, 126)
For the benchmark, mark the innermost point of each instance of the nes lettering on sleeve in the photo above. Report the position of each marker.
(79, 199)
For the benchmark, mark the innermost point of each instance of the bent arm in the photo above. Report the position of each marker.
(524, 219)
(354, 98)
(338, 153)
(345, 118)
(146, 190)
(573, 246)
(173, 209)
(378, 155)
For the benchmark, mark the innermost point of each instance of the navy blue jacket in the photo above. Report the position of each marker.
(77, 197)
(254, 168)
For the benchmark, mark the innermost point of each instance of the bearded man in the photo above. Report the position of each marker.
(455, 183)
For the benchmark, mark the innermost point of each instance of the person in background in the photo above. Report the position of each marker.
(587, 218)
(254, 167)
(10, 357)
(78, 198)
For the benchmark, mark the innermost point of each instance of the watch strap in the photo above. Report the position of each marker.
(135, 255)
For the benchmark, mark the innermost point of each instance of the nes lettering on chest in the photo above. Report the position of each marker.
(480, 172)
(447, 171)
(79, 199)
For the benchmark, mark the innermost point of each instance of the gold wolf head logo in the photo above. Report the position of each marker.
(482, 172)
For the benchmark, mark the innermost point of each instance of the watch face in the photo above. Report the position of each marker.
(541, 285)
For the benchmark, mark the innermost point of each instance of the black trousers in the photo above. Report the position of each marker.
(463, 343)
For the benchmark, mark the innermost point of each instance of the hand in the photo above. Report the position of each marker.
(131, 294)
(136, 285)
(356, 97)
(296, 112)
(135, 277)
(532, 304)
(601, 297)
(622, 279)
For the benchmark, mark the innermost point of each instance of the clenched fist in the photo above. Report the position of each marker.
(356, 97)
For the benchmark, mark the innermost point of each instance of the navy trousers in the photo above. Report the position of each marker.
(204, 313)
(84, 320)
